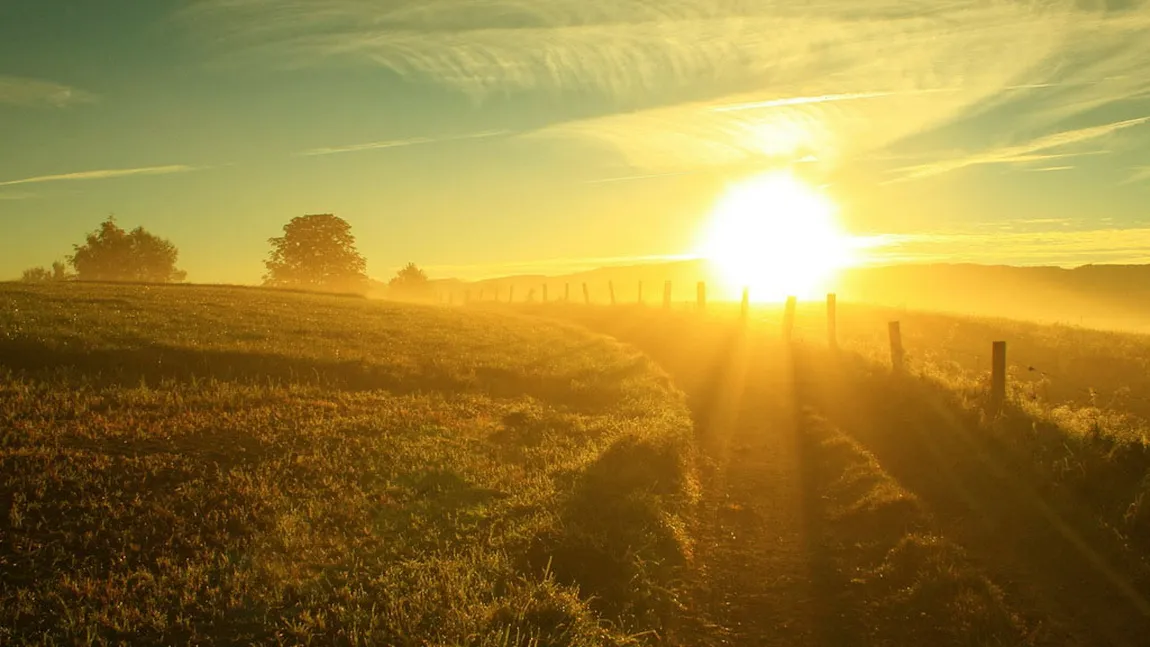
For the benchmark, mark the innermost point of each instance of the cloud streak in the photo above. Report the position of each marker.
(767, 81)
(399, 143)
(103, 174)
(1059, 247)
(25, 92)
(1032, 151)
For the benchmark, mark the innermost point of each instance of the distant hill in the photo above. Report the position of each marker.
(1108, 296)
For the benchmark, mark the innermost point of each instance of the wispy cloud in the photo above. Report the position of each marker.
(16, 196)
(20, 91)
(768, 80)
(635, 178)
(1138, 174)
(1066, 247)
(1050, 169)
(1030, 151)
(399, 143)
(103, 174)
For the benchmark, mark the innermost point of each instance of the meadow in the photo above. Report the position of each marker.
(183, 464)
(210, 465)
(938, 518)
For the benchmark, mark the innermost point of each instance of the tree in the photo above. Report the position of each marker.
(59, 272)
(36, 275)
(112, 254)
(316, 252)
(410, 282)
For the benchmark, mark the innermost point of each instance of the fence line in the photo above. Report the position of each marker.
(998, 369)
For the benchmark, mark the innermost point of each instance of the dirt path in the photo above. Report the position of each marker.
(751, 583)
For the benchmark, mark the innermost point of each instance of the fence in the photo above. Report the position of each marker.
(998, 378)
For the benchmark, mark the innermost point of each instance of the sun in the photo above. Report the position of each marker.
(777, 236)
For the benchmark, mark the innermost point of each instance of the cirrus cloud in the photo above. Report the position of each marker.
(20, 91)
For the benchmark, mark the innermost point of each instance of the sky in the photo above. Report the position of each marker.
(487, 137)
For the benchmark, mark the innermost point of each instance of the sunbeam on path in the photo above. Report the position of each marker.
(752, 582)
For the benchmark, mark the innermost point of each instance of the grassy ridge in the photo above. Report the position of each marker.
(939, 521)
(209, 465)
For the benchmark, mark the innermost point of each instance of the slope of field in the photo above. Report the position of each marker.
(224, 466)
(802, 537)
(927, 517)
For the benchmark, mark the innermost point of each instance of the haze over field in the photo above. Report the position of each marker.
(575, 323)
(533, 136)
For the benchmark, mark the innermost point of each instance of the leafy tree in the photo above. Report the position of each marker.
(36, 275)
(410, 282)
(316, 252)
(112, 254)
(59, 272)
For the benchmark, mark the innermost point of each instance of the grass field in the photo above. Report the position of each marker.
(938, 520)
(222, 466)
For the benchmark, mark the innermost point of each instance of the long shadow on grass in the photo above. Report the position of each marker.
(988, 482)
(154, 364)
(734, 377)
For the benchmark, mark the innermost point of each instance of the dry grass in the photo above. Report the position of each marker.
(221, 466)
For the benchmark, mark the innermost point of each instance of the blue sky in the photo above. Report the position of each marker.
(483, 137)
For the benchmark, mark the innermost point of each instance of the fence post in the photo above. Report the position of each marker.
(544, 293)
(746, 308)
(789, 318)
(567, 292)
(667, 294)
(897, 354)
(586, 295)
(611, 289)
(833, 320)
(640, 300)
(701, 295)
(998, 374)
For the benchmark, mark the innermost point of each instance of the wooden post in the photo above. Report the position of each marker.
(998, 374)
(746, 309)
(586, 295)
(640, 299)
(567, 292)
(789, 318)
(611, 289)
(832, 321)
(511, 295)
(531, 295)
(897, 355)
(544, 293)
(701, 295)
(667, 294)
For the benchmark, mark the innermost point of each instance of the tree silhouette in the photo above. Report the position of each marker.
(59, 272)
(36, 275)
(410, 282)
(112, 254)
(316, 252)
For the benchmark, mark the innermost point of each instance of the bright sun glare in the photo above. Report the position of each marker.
(778, 237)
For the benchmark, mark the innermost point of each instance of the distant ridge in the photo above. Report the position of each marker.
(1109, 296)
